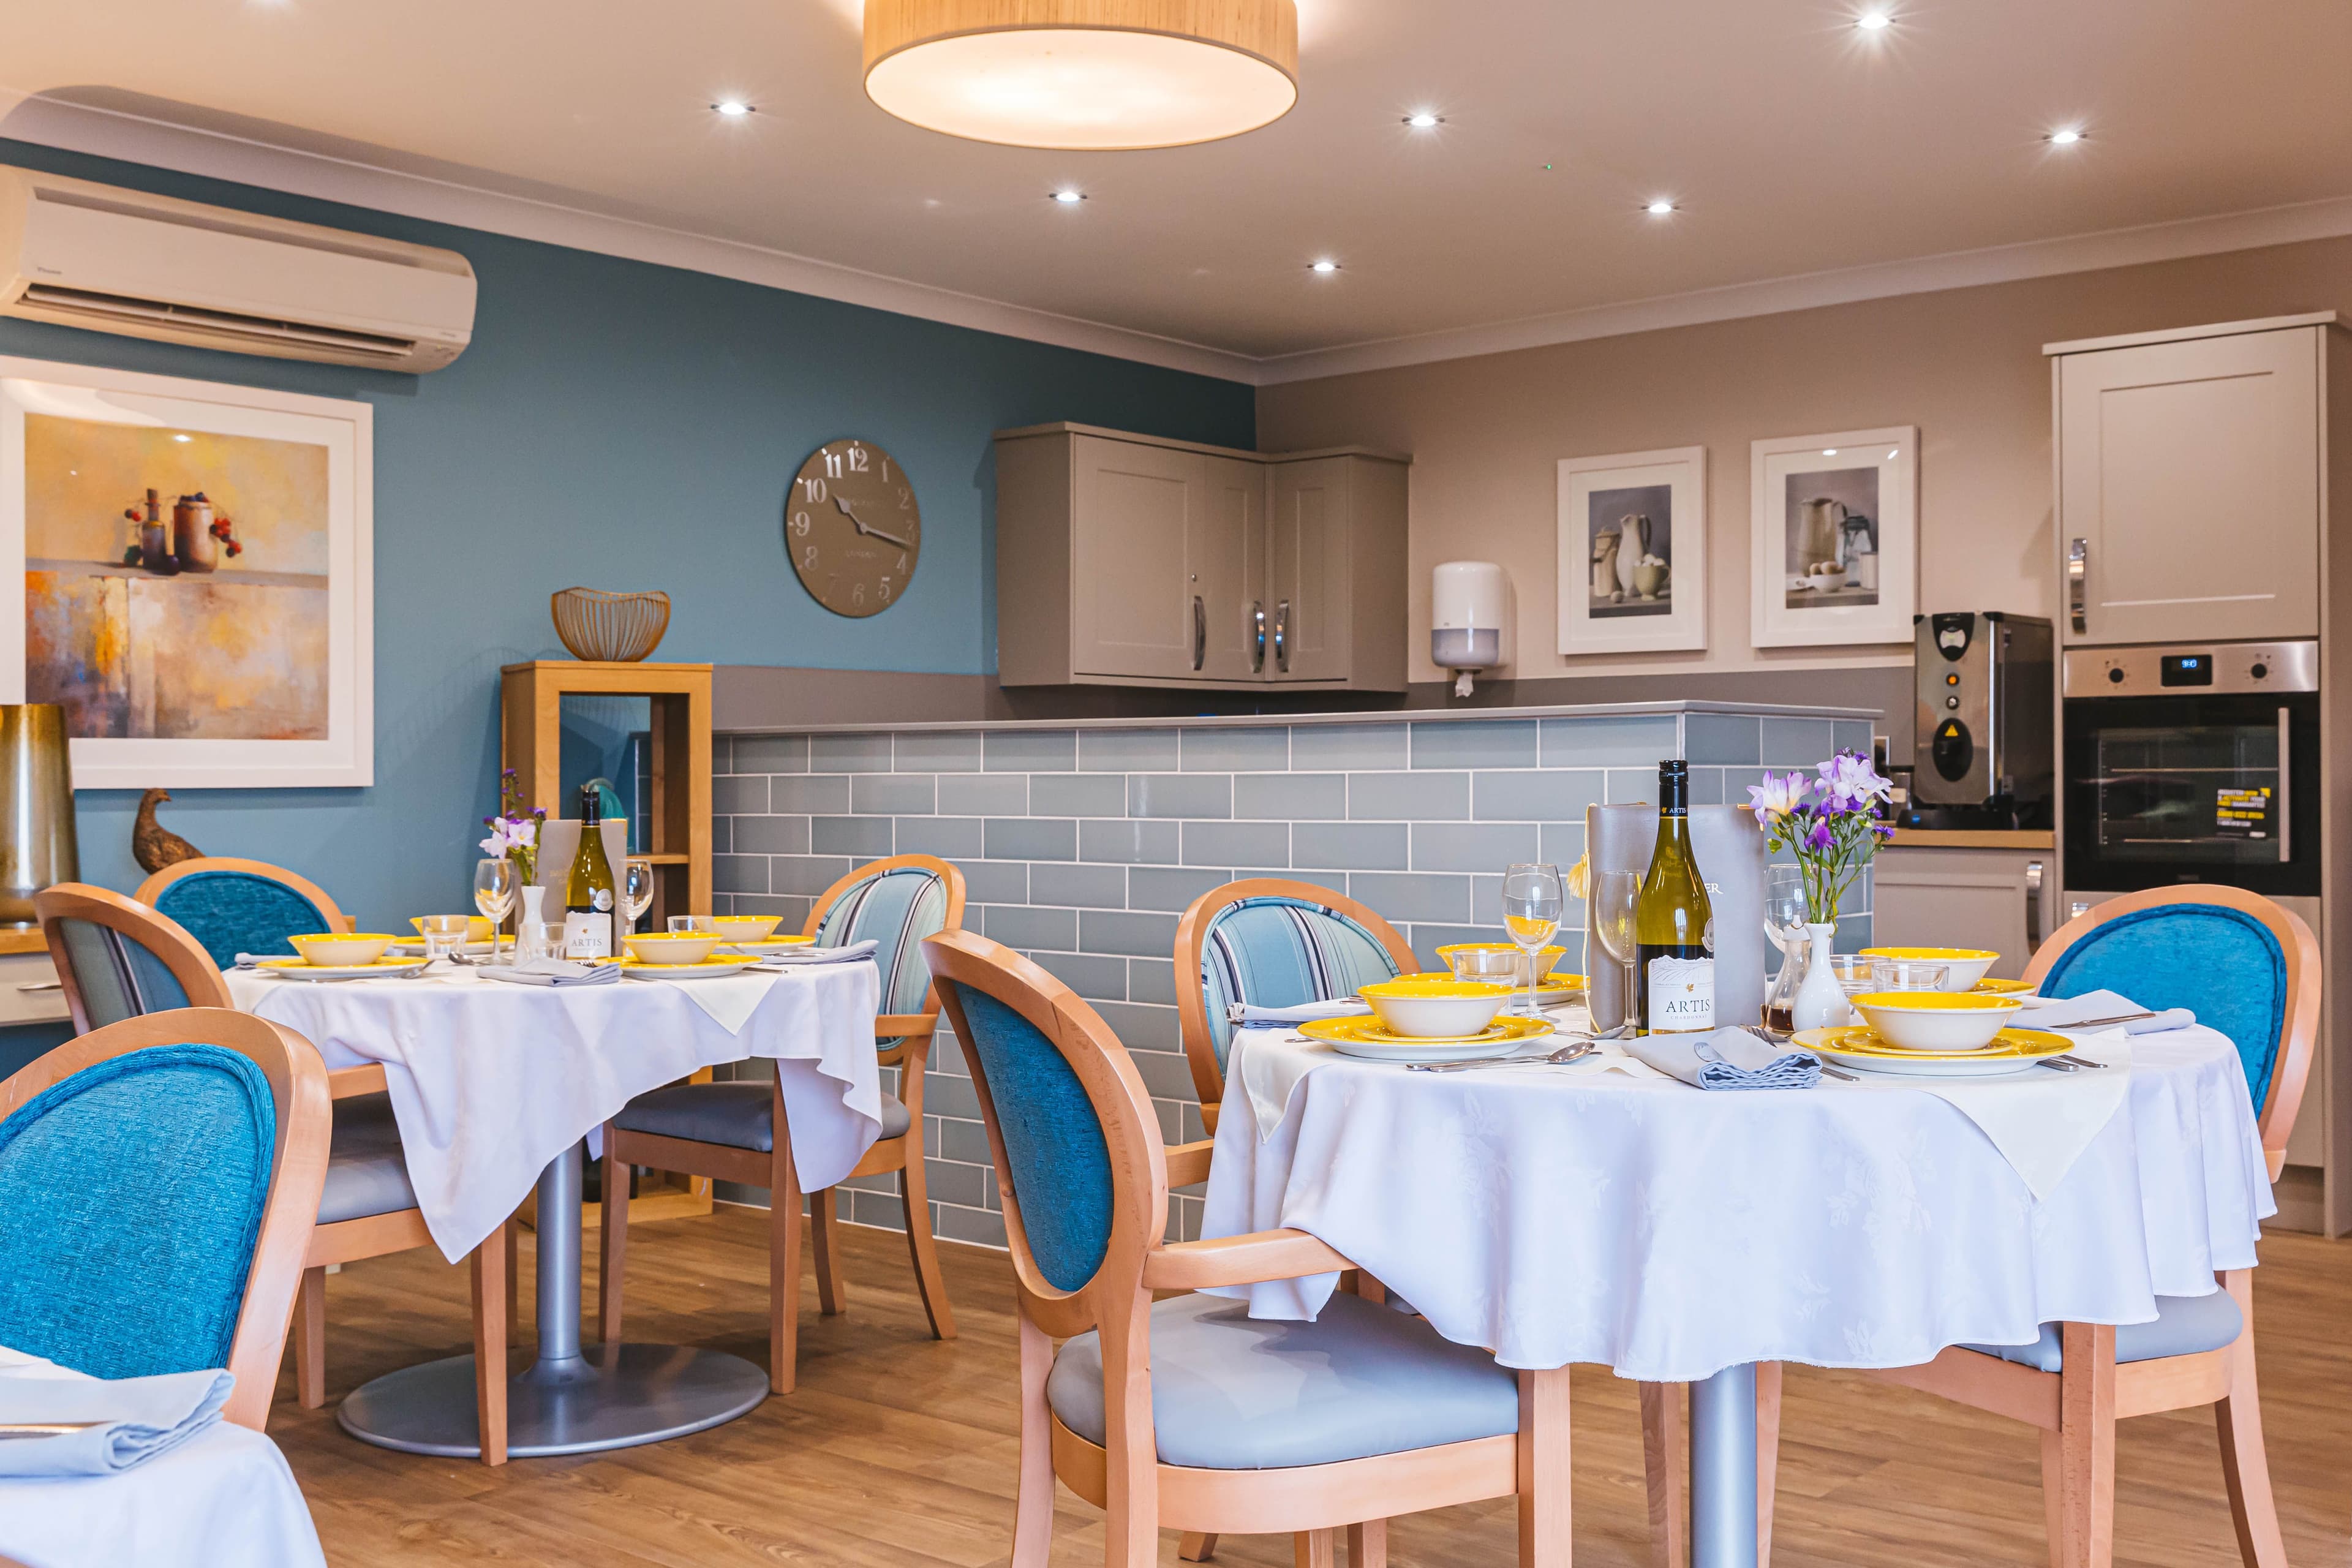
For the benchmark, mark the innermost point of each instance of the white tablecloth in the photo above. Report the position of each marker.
(225, 1496)
(1558, 1217)
(490, 1082)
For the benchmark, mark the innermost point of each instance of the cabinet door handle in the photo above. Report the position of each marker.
(1258, 651)
(2034, 895)
(1282, 635)
(1199, 632)
(2078, 579)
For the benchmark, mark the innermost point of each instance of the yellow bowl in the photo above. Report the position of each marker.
(476, 928)
(747, 928)
(1936, 1020)
(335, 950)
(1963, 966)
(1429, 1007)
(673, 947)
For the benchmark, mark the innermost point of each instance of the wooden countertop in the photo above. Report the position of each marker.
(1978, 839)
(27, 940)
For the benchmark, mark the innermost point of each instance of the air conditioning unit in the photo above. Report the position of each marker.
(112, 260)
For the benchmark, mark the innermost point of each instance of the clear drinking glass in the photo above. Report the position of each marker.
(636, 891)
(1784, 923)
(1497, 966)
(1907, 974)
(1614, 894)
(1851, 972)
(538, 939)
(681, 925)
(1534, 899)
(444, 934)
(494, 895)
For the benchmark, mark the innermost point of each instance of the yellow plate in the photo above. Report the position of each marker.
(303, 969)
(1558, 980)
(2005, 987)
(630, 960)
(1861, 1040)
(1362, 1030)
(767, 944)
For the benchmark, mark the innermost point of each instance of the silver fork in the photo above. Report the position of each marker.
(1567, 1053)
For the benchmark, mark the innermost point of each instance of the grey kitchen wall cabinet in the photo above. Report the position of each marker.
(1127, 560)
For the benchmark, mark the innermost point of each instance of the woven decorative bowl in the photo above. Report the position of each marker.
(610, 628)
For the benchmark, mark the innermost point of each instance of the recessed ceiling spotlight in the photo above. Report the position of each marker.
(1424, 121)
(1873, 21)
(1069, 198)
(182, 437)
(2065, 138)
(1324, 266)
(1659, 208)
(732, 107)
(1829, 451)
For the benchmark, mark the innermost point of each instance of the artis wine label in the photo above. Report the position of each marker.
(1681, 995)
(587, 935)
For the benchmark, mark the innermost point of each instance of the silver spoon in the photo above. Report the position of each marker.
(1567, 1053)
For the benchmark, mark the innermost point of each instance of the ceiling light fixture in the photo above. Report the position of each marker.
(1424, 121)
(1829, 451)
(1084, 75)
(2065, 138)
(1326, 266)
(1069, 198)
(1660, 207)
(1873, 21)
(732, 107)
(182, 437)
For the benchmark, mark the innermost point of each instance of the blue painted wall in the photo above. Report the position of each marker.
(615, 425)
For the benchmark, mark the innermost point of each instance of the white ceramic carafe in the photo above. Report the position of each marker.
(1820, 1002)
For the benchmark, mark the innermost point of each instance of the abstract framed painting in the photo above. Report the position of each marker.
(1632, 552)
(196, 561)
(1836, 538)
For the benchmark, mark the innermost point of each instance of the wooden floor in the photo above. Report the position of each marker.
(898, 1450)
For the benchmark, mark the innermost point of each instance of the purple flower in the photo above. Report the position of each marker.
(1777, 797)
(1819, 835)
(1849, 784)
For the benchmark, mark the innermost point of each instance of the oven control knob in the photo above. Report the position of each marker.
(2116, 676)
(1952, 702)
(2259, 671)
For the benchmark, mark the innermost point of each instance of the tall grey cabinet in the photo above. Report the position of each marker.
(1127, 560)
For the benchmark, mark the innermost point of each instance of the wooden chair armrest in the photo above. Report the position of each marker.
(900, 1036)
(1187, 1163)
(1239, 1260)
(343, 1083)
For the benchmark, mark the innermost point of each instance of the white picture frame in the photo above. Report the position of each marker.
(323, 502)
(1657, 608)
(1848, 502)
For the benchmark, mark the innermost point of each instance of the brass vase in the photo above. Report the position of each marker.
(38, 848)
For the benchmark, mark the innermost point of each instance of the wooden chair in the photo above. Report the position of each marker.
(232, 906)
(117, 958)
(2251, 970)
(213, 1123)
(735, 1131)
(1272, 944)
(1173, 1413)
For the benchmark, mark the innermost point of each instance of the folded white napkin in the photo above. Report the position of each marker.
(131, 1419)
(1725, 1059)
(551, 972)
(2075, 1012)
(794, 957)
(1250, 1017)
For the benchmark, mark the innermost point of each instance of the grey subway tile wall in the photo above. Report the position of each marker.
(1081, 848)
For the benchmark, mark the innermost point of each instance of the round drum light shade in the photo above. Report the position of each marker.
(1085, 75)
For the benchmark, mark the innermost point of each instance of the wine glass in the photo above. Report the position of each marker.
(636, 891)
(494, 895)
(1533, 901)
(1614, 894)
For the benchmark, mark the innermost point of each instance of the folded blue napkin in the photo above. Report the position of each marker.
(1250, 1017)
(1725, 1059)
(130, 1420)
(2075, 1011)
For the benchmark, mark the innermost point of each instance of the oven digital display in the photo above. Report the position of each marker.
(2185, 670)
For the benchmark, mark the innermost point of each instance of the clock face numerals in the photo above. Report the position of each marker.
(852, 528)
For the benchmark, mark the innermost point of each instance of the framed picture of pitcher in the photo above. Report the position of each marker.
(1632, 552)
(1836, 538)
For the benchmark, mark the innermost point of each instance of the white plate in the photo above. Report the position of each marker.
(343, 971)
(416, 945)
(1471, 1051)
(1926, 1067)
(708, 969)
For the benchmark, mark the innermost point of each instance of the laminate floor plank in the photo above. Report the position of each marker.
(898, 1451)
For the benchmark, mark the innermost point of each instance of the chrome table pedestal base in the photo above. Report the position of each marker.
(570, 1401)
(1723, 1469)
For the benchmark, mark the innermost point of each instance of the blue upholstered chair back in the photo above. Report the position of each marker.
(229, 912)
(130, 1200)
(118, 977)
(2220, 962)
(1056, 1156)
(1280, 953)
(897, 908)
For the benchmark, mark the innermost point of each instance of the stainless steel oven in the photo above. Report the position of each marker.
(2193, 765)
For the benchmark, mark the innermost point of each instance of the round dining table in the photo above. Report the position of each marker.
(1601, 1211)
(495, 1085)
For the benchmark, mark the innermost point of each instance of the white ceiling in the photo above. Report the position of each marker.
(1799, 148)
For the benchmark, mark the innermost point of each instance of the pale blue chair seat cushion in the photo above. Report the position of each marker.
(366, 1172)
(1233, 1393)
(736, 1115)
(896, 909)
(2221, 964)
(231, 913)
(1282, 952)
(131, 1199)
(2185, 1325)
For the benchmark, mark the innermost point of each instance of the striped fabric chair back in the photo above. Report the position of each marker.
(122, 959)
(896, 903)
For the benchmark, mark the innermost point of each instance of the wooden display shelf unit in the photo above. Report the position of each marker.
(530, 741)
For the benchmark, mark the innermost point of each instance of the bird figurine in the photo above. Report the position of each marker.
(154, 846)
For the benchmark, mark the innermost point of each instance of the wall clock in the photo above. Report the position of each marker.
(853, 528)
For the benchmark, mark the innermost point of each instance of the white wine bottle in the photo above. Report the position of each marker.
(588, 892)
(1673, 967)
